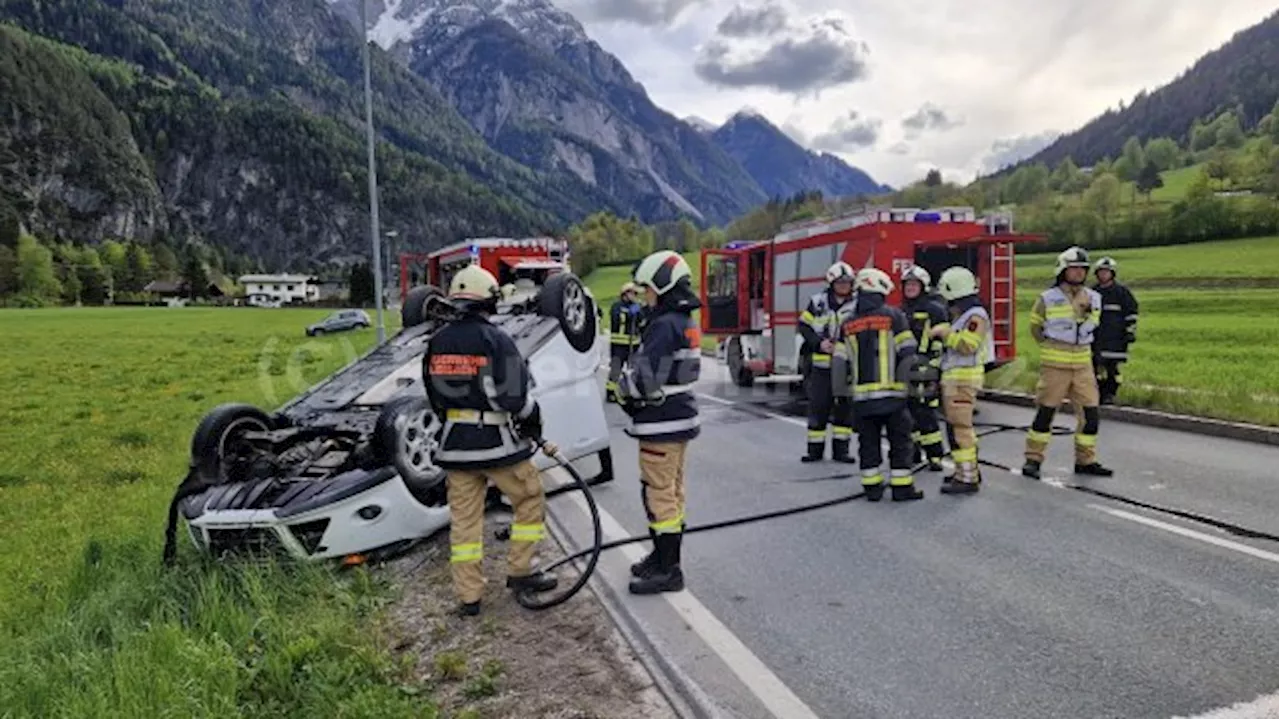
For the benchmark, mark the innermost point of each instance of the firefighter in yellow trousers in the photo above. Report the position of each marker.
(1063, 321)
(479, 385)
(968, 347)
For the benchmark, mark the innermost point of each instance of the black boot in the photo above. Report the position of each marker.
(1094, 469)
(649, 564)
(906, 493)
(469, 609)
(536, 582)
(1031, 469)
(667, 577)
(815, 452)
(840, 451)
(873, 491)
(955, 486)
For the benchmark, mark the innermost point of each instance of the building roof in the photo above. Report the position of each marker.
(245, 279)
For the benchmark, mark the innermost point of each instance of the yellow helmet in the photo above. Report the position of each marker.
(873, 280)
(627, 287)
(474, 282)
(957, 282)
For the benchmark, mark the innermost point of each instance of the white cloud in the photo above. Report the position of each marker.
(1011, 70)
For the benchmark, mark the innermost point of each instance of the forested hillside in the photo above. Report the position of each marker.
(1240, 77)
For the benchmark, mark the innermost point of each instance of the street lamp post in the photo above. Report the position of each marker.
(391, 236)
(375, 236)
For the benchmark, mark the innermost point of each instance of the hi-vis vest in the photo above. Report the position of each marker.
(1060, 321)
(959, 367)
(825, 320)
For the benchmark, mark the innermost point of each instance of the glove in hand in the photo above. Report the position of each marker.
(531, 426)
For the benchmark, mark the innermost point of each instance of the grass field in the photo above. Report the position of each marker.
(1248, 261)
(98, 419)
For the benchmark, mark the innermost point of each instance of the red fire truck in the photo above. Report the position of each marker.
(753, 293)
(511, 260)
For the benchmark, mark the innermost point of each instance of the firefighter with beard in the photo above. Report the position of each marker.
(624, 334)
(478, 385)
(1117, 330)
(968, 347)
(924, 312)
(819, 325)
(871, 359)
(1063, 321)
(656, 390)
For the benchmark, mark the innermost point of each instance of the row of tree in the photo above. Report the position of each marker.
(35, 273)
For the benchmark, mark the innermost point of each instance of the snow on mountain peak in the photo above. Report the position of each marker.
(392, 22)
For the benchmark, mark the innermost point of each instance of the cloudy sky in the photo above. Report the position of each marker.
(899, 86)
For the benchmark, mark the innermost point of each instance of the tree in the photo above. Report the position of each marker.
(1133, 160)
(1227, 132)
(36, 277)
(1103, 197)
(1163, 152)
(1220, 167)
(361, 283)
(196, 276)
(933, 178)
(137, 269)
(166, 263)
(8, 271)
(1148, 179)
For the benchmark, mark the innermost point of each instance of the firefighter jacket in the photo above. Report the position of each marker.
(821, 321)
(1062, 321)
(656, 388)
(924, 313)
(624, 324)
(1119, 325)
(870, 362)
(969, 346)
(478, 384)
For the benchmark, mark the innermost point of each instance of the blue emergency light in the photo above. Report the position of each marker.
(928, 217)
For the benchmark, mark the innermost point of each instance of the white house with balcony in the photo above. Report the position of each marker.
(278, 290)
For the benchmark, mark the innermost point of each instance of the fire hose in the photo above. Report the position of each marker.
(530, 600)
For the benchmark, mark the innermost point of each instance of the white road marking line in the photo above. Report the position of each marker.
(1208, 538)
(755, 674)
(1266, 706)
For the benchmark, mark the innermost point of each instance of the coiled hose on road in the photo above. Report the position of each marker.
(533, 601)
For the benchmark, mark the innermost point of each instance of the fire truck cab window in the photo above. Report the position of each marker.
(935, 260)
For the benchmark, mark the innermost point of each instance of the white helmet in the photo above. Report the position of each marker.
(662, 271)
(1106, 263)
(875, 281)
(957, 282)
(1071, 257)
(839, 271)
(474, 282)
(917, 273)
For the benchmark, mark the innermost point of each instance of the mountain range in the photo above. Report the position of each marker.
(241, 121)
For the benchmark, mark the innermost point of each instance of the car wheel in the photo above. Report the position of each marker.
(565, 298)
(414, 311)
(405, 438)
(219, 450)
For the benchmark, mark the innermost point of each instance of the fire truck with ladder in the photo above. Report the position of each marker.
(523, 262)
(753, 293)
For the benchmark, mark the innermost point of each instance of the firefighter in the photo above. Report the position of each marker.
(968, 347)
(624, 318)
(924, 313)
(478, 384)
(819, 325)
(1117, 330)
(656, 390)
(1063, 321)
(871, 358)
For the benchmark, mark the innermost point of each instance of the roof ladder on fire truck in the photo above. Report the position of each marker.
(1002, 296)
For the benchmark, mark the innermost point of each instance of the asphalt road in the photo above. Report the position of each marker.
(1030, 599)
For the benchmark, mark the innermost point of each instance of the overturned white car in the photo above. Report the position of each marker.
(346, 469)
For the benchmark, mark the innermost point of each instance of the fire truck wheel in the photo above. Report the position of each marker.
(738, 369)
(564, 297)
(414, 311)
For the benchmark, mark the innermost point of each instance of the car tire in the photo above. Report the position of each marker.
(414, 310)
(565, 298)
(404, 437)
(217, 449)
